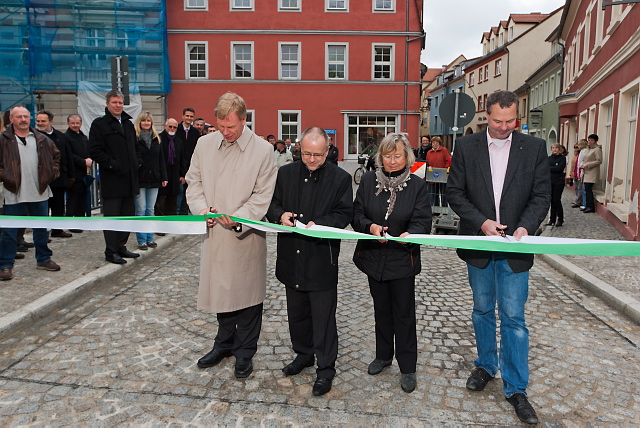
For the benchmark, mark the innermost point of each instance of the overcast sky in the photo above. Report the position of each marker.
(455, 27)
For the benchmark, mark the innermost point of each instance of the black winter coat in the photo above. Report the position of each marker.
(412, 213)
(306, 263)
(115, 150)
(190, 141)
(66, 161)
(557, 164)
(153, 170)
(79, 148)
(179, 167)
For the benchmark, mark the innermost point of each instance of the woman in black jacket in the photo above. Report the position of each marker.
(152, 173)
(557, 164)
(394, 201)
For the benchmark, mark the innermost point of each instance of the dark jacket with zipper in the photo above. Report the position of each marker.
(153, 170)
(557, 164)
(67, 175)
(323, 196)
(113, 147)
(10, 171)
(412, 213)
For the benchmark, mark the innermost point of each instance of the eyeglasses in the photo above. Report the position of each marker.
(314, 155)
(172, 127)
(396, 157)
(576, 147)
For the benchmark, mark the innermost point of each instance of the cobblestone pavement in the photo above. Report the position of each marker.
(126, 356)
(621, 272)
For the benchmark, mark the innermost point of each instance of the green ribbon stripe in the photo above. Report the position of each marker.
(532, 244)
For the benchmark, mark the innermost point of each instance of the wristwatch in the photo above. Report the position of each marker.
(237, 228)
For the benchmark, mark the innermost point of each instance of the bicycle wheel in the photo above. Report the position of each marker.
(357, 176)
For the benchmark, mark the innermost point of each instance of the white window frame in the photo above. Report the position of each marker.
(234, 8)
(327, 45)
(498, 67)
(190, 7)
(358, 147)
(375, 9)
(391, 63)
(281, 62)
(298, 123)
(233, 61)
(327, 8)
(251, 124)
(472, 78)
(188, 61)
(282, 8)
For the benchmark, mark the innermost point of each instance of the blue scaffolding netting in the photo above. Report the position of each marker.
(52, 45)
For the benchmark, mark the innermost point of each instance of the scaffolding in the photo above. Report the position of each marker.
(50, 46)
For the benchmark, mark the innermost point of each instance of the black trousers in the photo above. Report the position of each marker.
(56, 205)
(588, 190)
(112, 207)
(394, 305)
(238, 331)
(313, 329)
(166, 204)
(76, 201)
(556, 203)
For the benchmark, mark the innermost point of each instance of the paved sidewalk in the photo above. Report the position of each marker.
(34, 293)
(614, 279)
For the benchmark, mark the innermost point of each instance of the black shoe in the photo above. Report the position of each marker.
(128, 254)
(62, 234)
(321, 386)
(559, 223)
(22, 248)
(75, 230)
(29, 244)
(213, 358)
(296, 366)
(408, 383)
(549, 223)
(377, 366)
(524, 410)
(114, 258)
(18, 256)
(479, 379)
(589, 210)
(244, 367)
(575, 205)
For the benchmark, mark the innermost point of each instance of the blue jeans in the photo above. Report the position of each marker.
(145, 202)
(497, 283)
(8, 241)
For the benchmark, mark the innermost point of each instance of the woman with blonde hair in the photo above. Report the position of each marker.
(394, 201)
(574, 172)
(152, 173)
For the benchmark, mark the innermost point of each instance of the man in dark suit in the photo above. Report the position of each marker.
(499, 184)
(313, 191)
(173, 150)
(112, 143)
(189, 134)
(79, 147)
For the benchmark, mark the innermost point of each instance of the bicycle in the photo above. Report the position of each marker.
(357, 175)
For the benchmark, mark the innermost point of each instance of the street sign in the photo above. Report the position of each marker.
(120, 76)
(463, 111)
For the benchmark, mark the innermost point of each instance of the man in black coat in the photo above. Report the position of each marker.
(176, 164)
(112, 143)
(313, 191)
(499, 185)
(79, 148)
(44, 123)
(189, 134)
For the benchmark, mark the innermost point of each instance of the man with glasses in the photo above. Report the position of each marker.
(313, 191)
(176, 164)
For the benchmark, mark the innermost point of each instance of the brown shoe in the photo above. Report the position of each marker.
(50, 266)
(6, 274)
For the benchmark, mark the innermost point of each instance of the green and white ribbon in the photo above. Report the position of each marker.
(195, 225)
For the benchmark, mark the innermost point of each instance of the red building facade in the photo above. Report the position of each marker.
(351, 67)
(601, 82)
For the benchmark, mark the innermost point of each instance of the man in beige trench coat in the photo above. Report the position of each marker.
(232, 172)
